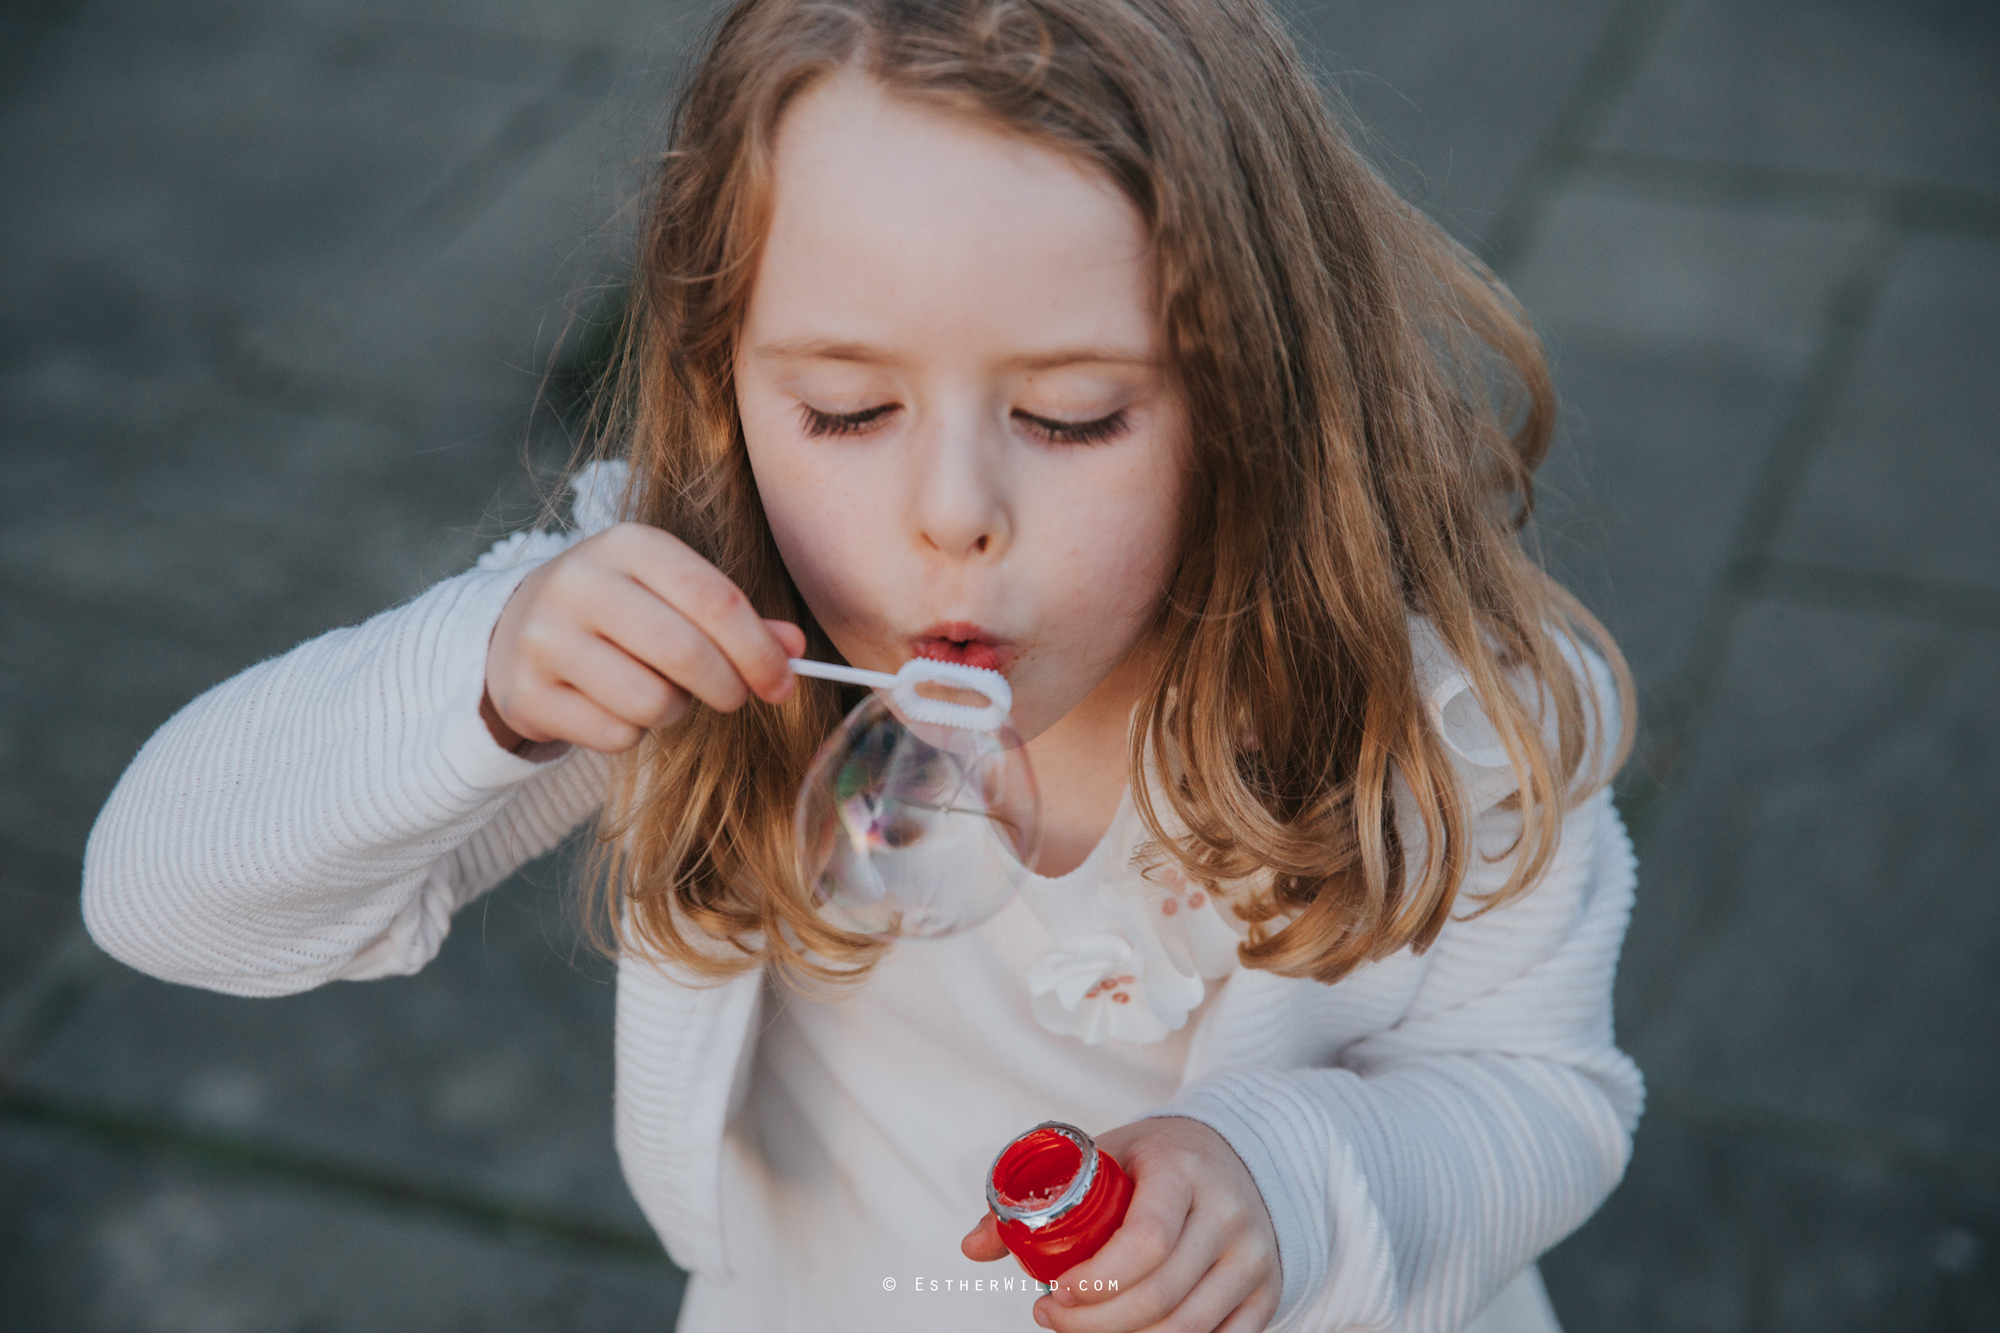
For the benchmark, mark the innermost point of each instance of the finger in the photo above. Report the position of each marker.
(983, 1242)
(660, 639)
(1222, 1290)
(612, 679)
(1154, 1222)
(791, 636)
(1252, 1315)
(559, 712)
(1105, 1299)
(1168, 1302)
(1112, 1303)
(714, 605)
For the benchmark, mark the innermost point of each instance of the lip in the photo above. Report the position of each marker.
(965, 643)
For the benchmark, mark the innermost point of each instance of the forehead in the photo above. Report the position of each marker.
(898, 223)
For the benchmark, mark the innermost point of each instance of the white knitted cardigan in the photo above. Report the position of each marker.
(1420, 1131)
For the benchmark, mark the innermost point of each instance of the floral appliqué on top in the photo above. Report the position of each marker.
(1133, 950)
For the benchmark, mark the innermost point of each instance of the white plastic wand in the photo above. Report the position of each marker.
(902, 687)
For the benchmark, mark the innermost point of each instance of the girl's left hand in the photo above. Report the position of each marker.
(1195, 1254)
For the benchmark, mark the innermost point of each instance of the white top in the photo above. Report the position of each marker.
(1419, 1131)
(869, 1124)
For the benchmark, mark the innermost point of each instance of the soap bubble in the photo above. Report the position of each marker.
(911, 830)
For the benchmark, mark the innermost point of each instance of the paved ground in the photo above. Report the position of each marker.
(281, 279)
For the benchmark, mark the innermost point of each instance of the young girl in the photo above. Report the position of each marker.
(1068, 338)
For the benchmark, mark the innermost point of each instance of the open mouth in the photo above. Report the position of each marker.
(966, 644)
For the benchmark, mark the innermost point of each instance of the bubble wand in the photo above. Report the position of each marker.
(902, 687)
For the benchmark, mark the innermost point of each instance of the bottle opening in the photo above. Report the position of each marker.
(1042, 1175)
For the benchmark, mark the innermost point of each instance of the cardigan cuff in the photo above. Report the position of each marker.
(462, 630)
(466, 629)
(1285, 1152)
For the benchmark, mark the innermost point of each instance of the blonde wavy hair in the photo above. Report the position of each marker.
(1368, 405)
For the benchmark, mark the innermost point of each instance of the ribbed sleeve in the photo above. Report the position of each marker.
(1438, 1157)
(322, 814)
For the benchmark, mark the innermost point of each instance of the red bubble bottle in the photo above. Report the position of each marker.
(1058, 1197)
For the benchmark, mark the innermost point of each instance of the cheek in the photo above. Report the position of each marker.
(816, 514)
(787, 481)
(1123, 545)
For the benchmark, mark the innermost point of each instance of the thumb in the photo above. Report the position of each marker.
(983, 1242)
(790, 635)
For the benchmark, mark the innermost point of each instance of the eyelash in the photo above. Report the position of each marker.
(843, 423)
(1057, 432)
(1078, 432)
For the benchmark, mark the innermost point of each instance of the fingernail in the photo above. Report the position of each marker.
(1042, 1316)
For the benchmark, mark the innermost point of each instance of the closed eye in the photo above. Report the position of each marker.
(842, 423)
(1094, 431)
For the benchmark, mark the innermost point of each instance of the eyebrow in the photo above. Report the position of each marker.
(834, 349)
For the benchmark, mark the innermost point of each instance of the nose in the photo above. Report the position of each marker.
(958, 503)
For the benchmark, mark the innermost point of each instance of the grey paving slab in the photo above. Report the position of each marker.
(1638, 502)
(73, 696)
(1679, 333)
(152, 210)
(100, 1238)
(653, 30)
(246, 529)
(1906, 480)
(1717, 1232)
(151, 550)
(467, 328)
(1898, 91)
(1453, 98)
(488, 1074)
(1745, 283)
(90, 690)
(1816, 931)
(38, 924)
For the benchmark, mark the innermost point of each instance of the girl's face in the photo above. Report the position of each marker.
(955, 402)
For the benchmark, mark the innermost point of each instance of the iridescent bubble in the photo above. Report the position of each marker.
(913, 830)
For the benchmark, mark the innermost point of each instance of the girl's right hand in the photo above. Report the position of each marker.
(617, 635)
